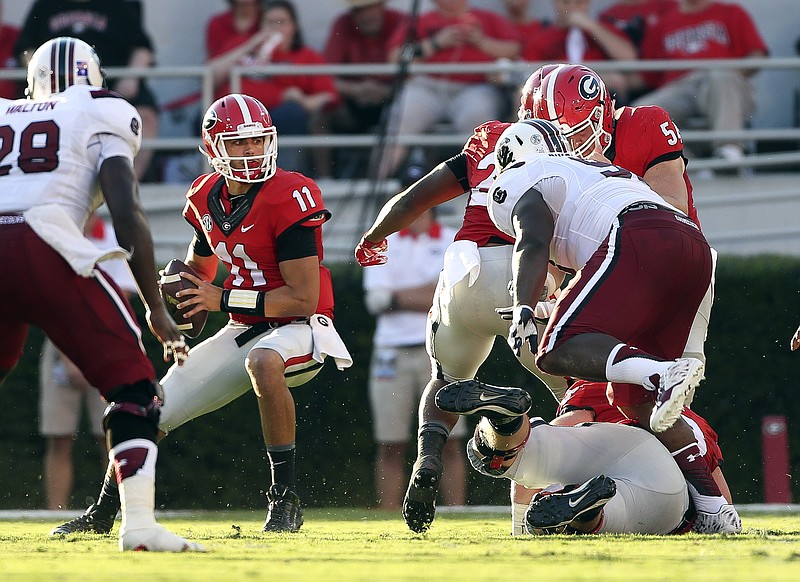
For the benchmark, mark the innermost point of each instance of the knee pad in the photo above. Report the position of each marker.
(130, 405)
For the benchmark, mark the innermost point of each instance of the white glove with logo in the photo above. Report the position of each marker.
(523, 328)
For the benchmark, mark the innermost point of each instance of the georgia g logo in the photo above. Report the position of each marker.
(588, 87)
(210, 120)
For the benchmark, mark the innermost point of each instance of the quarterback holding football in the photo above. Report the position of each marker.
(264, 225)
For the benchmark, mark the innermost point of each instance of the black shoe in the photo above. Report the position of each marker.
(474, 397)
(284, 512)
(419, 504)
(554, 510)
(94, 520)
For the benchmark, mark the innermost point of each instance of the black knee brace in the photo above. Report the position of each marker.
(133, 412)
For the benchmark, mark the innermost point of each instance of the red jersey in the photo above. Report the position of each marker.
(529, 34)
(720, 31)
(634, 19)
(246, 240)
(550, 45)
(222, 36)
(429, 23)
(479, 152)
(643, 137)
(269, 90)
(9, 89)
(346, 44)
(585, 395)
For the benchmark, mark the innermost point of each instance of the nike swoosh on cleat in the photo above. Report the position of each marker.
(574, 502)
(484, 398)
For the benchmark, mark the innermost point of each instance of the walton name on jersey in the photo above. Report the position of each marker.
(29, 106)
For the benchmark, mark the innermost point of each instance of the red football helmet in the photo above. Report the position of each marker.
(575, 97)
(530, 88)
(237, 116)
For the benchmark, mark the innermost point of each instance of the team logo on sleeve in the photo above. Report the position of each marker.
(588, 87)
(135, 126)
(499, 195)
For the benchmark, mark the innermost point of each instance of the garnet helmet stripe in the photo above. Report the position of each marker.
(53, 68)
(70, 64)
(556, 142)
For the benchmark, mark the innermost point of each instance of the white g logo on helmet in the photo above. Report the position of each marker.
(588, 87)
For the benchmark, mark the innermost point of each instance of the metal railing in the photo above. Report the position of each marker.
(205, 94)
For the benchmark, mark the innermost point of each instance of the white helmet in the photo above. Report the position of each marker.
(532, 136)
(60, 63)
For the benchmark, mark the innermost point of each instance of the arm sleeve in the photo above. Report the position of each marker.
(458, 165)
(199, 245)
(296, 243)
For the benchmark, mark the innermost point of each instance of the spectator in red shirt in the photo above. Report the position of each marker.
(9, 89)
(528, 28)
(295, 102)
(360, 36)
(575, 36)
(450, 33)
(232, 36)
(633, 17)
(704, 29)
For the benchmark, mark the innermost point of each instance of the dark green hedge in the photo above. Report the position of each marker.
(218, 461)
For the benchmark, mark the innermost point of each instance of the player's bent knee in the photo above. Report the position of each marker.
(133, 412)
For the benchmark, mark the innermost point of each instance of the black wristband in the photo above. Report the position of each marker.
(243, 301)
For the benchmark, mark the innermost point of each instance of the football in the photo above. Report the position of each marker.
(170, 283)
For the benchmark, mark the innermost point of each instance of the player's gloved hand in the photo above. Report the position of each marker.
(370, 253)
(523, 328)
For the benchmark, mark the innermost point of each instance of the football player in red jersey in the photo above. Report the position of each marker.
(263, 224)
(463, 323)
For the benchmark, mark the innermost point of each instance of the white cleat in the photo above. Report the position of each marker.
(675, 390)
(725, 521)
(155, 539)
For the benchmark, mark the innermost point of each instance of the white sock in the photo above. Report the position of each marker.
(137, 493)
(518, 519)
(635, 368)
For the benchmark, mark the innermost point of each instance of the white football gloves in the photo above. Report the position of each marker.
(523, 328)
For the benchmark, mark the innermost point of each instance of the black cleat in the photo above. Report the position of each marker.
(93, 520)
(474, 397)
(284, 512)
(419, 504)
(550, 511)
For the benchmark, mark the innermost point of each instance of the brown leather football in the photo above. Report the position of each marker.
(170, 283)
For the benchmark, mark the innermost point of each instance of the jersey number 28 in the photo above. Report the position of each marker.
(38, 147)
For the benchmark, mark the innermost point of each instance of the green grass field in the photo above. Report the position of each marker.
(371, 545)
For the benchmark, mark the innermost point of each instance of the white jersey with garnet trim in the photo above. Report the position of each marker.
(51, 149)
(584, 197)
